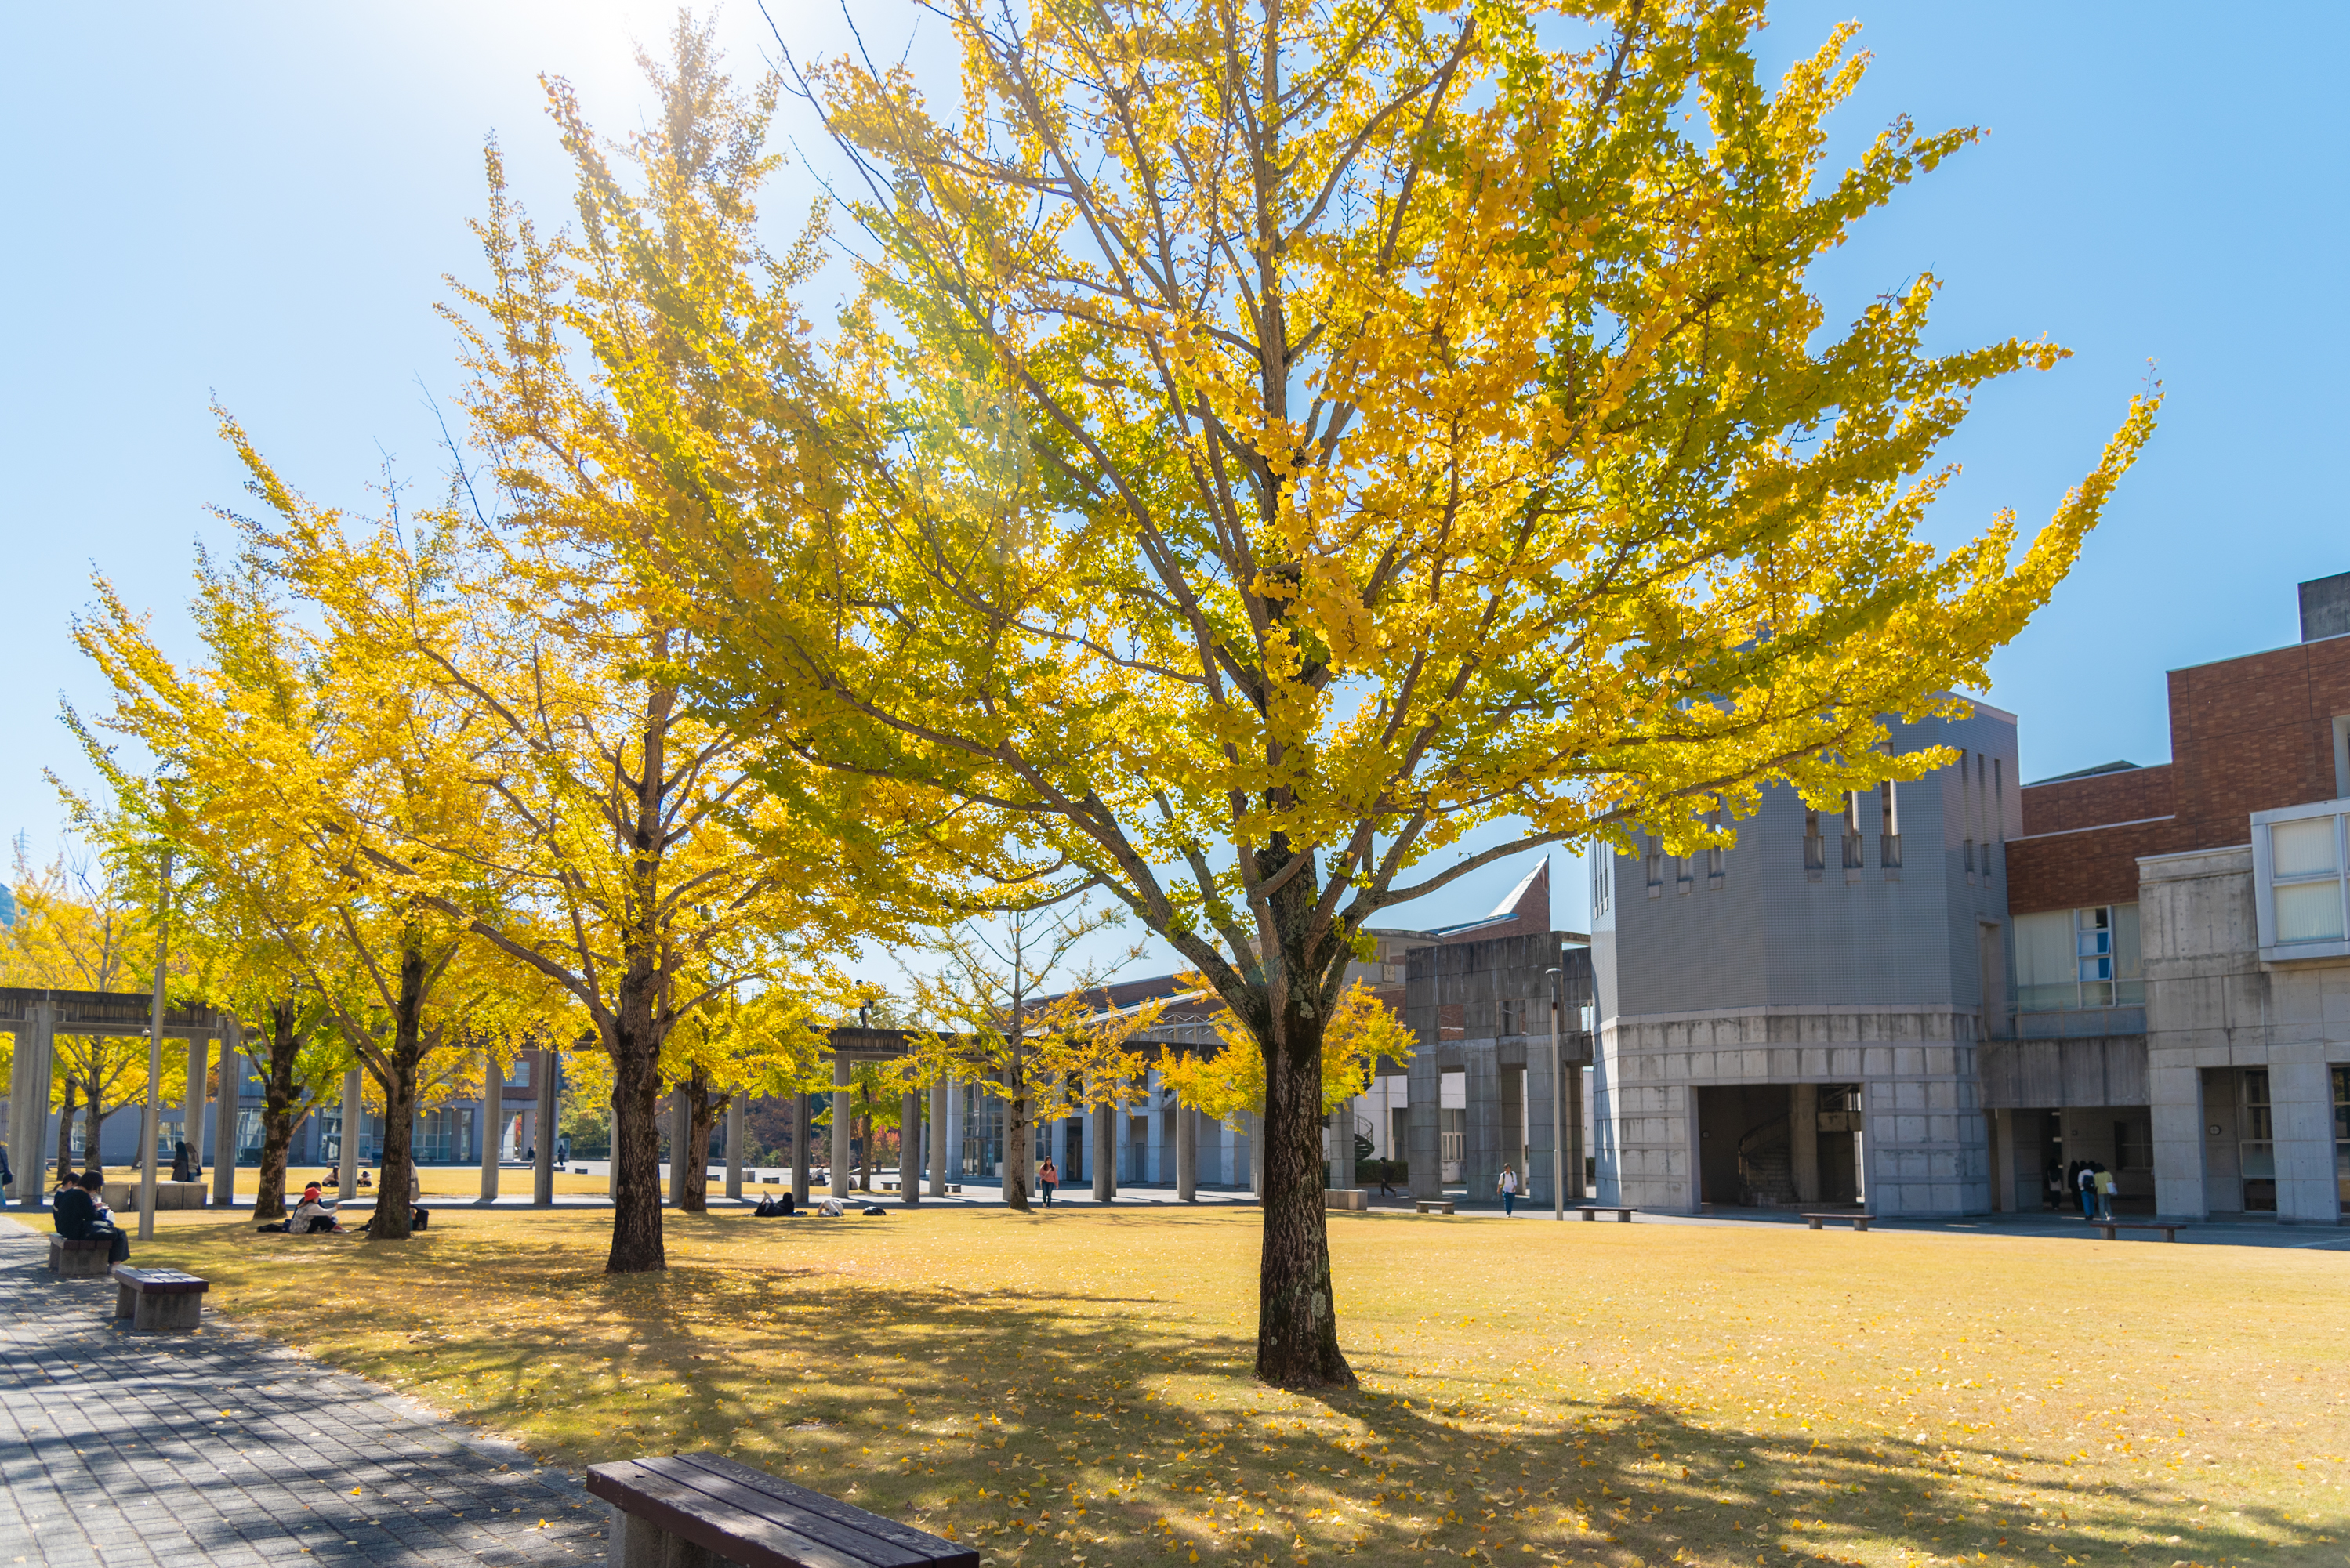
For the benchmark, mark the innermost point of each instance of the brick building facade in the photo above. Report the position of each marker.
(2172, 1019)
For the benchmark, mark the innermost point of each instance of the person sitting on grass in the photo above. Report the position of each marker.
(82, 1216)
(314, 1216)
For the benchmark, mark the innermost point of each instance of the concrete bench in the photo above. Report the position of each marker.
(1857, 1221)
(698, 1508)
(1433, 1205)
(1351, 1198)
(158, 1299)
(122, 1197)
(1623, 1213)
(73, 1260)
(2107, 1228)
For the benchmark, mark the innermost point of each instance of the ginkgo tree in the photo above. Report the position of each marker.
(1015, 1016)
(1273, 440)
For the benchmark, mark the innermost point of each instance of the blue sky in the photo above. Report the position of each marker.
(258, 202)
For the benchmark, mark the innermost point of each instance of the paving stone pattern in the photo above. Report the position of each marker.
(217, 1446)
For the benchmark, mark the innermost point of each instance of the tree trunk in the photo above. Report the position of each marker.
(1297, 1325)
(277, 1112)
(397, 1077)
(635, 1046)
(694, 1194)
(865, 1162)
(65, 1134)
(1019, 1140)
(93, 1123)
(1019, 1132)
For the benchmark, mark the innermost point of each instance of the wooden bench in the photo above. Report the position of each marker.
(158, 1299)
(2107, 1227)
(690, 1509)
(1594, 1211)
(76, 1260)
(1433, 1205)
(1857, 1221)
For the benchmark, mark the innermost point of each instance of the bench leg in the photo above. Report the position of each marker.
(635, 1542)
(157, 1314)
(126, 1300)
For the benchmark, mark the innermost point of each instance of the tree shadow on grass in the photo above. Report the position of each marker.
(1031, 1419)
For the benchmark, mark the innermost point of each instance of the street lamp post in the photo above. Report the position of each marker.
(1557, 1110)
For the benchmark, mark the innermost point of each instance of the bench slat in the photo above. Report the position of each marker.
(745, 1514)
(159, 1281)
(885, 1541)
(676, 1509)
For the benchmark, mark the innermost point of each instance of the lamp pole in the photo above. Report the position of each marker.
(1558, 1111)
(151, 1123)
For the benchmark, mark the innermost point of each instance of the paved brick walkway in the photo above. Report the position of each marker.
(218, 1447)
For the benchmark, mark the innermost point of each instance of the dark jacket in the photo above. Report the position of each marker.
(77, 1213)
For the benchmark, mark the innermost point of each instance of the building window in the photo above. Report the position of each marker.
(1852, 857)
(2297, 864)
(1982, 801)
(1603, 877)
(2341, 1137)
(2258, 1143)
(1815, 849)
(1514, 1016)
(1684, 872)
(1889, 835)
(2133, 1145)
(1654, 861)
(2067, 959)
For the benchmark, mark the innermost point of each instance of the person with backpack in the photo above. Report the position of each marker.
(1508, 1187)
(2103, 1180)
(2086, 1181)
(80, 1217)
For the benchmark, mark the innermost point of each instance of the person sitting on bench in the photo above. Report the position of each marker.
(80, 1217)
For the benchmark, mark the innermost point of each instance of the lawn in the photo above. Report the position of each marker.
(1075, 1386)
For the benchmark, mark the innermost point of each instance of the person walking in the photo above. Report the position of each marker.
(2104, 1179)
(2087, 1183)
(1508, 1187)
(1048, 1176)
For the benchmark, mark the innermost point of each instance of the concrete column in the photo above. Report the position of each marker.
(1481, 1150)
(680, 1125)
(841, 1156)
(32, 1190)
(910, 1147)
(545, 1077)
(1423, 1131)
(354, 1116)
(224, 1110)
(735, 1146)
(1803, 1141)
(1187, 1155)
(938, 1138)
(1105, 1153)
(2180, 1169)
(20, 1099)
(1150, 1161)
(2300, 1099)
(192, 1103)
(1572, 1114)
(492, 1122)
(1542, 1174)
(800, 1149)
